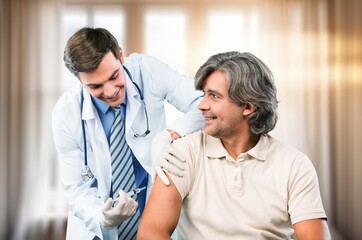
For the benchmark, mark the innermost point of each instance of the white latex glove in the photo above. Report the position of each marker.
(165, 157)
(111, 217)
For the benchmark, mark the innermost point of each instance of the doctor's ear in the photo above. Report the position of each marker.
(248, 109)
(121, 58)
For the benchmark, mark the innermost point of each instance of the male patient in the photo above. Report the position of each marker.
(239, 182)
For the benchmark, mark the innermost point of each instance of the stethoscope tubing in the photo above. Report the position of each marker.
(86, 172)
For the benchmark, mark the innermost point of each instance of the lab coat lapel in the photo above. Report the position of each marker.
(88, 109)
(89, 113)
(133, 106)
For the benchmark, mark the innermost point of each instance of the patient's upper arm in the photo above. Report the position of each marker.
(161, 213)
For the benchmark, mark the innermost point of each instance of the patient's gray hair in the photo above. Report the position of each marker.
(250, 82)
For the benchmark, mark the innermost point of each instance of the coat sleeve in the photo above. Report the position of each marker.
(82, 196)
(179, 91)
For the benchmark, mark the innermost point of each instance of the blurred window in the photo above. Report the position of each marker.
(165, 38)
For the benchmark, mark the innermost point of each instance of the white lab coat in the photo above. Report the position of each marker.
(157, 82)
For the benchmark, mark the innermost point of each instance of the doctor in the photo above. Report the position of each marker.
(82, 120)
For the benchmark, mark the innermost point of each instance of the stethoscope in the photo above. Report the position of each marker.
(86, 173)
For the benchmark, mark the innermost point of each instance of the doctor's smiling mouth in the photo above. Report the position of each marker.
(115, 96)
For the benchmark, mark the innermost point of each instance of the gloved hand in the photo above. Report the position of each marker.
(111, 217)
(166, 157)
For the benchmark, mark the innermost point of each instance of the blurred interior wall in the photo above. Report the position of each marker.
(28, 69)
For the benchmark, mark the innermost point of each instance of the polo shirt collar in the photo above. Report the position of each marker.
(215, 149)
(260, 151)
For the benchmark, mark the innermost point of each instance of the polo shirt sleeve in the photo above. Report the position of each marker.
(188, 146)
(304, 196)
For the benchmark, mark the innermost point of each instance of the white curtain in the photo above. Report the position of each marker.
(30, 59)
(42, 210)
(4, 120)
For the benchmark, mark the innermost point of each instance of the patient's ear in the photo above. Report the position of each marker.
(248, 109)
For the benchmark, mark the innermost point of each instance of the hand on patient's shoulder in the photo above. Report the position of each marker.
(165, 157)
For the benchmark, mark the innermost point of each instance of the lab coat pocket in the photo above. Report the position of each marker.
(76, 229)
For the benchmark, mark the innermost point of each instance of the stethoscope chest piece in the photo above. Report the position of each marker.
(86, 173)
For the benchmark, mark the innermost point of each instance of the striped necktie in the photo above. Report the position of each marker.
(122, 173)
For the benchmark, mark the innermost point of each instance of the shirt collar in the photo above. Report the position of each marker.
(215, 149)
(102, 106)
(260, 151)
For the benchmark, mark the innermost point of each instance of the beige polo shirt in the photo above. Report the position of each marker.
(257, 196)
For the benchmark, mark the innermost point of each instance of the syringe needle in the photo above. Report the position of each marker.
(131, 193)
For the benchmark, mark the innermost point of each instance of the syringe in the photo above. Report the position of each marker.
(131, 193)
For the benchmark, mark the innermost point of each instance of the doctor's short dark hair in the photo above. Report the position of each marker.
(250, 82)
(86, 48)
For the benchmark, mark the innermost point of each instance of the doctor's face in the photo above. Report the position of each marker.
(108, 82)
